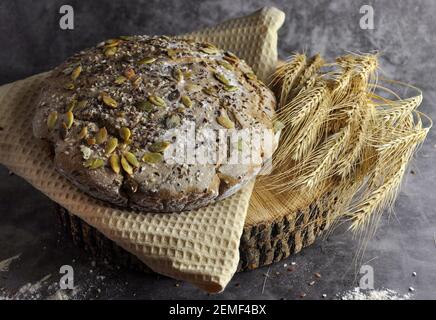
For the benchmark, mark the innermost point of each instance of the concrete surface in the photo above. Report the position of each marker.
(405, 33)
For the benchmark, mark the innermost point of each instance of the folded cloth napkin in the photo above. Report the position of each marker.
(200, 246)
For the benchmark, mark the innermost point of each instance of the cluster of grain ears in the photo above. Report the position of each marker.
(343, 129)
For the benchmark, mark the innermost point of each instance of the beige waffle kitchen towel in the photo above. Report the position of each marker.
(201, 246)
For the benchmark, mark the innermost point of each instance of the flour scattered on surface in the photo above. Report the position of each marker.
(382, 294)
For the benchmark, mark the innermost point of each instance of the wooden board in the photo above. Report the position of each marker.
(270, 234)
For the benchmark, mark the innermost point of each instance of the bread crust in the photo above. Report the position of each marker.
(141, 83)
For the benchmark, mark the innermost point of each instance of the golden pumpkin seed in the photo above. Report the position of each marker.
(231, 88)
(192, 87)
(164, 37)
(145, 105)
(82, 104)
(125, 133)
(250, 76)
(107, 100)
(83, 133)
(225, 122)
(230, 57)
(114, 161)
(126, 166)
(111, 145)
(152, 157)
(90, 141)
(76, 72)
(69, 86)
(112, 43)
(187, 74)
(70, 119)
(120, 80)
(101, 135)
(172, 121)
(221, 78)
(51, 120)
(146, 60)
(127, 38)
(131, 158)
(178, 75)
(158, 101)
(209, 49)
(68, 70)
(109, 52)
(72, 105)
(172, 53)
(159, 146)
(210, 91)
(226, 65)
(94, 164)
(187, 102)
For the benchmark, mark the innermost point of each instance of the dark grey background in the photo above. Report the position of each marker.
(405, 33)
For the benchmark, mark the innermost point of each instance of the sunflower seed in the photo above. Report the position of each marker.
(125, 133)
(111, 145)
(126, 166)
(83, 133)
(187, 102)
(51, 120)
(152, 157)
(221, 78)
(120, 80)
(101, 135)
(146, 60)
(76, 72)
(114, 161)
(159, 146)
(158, 101)
(225, 122)
(131, 158)
(70, 119)
(172, 121)
(107, 100)
(144, 105)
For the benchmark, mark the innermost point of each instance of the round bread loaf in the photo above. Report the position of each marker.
(119, 116)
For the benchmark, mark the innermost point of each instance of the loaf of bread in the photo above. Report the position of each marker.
(119, 117)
